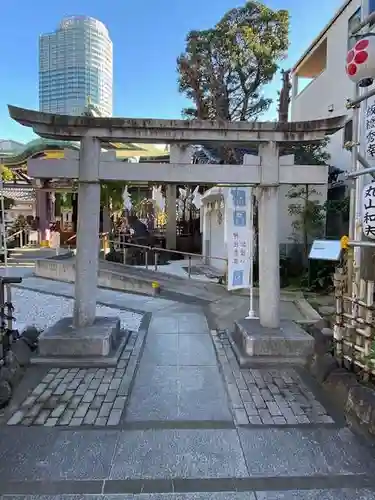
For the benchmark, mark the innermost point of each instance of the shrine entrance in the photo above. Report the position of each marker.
(266, 171)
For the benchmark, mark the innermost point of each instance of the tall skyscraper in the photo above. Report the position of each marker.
(76, 67)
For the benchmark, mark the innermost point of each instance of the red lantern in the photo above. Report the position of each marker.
(360, 62)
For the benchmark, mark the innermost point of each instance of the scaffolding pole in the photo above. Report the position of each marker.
(362, 244)
(353, 175)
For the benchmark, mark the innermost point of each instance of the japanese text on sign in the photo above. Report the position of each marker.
(368, 211)
(370, 131)
(238, 213)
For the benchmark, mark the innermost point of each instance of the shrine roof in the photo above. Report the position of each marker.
(173, 131)
(20, 154)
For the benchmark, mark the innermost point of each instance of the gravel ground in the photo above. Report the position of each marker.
(42, 310)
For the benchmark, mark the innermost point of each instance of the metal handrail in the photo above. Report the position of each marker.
(148, 248)
(22, 235)
(14, 235)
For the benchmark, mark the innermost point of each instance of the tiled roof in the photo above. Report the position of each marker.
(25, 194)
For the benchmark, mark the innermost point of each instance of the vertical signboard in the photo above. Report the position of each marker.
(368, 211)
(239, 231)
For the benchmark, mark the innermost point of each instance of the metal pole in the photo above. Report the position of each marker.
(3, 231)
(251, 314)
(352, 206)
(353, 103)
(358, 173)
(362, 244)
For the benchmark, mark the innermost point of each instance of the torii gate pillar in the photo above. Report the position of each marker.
(269, 253)
(87, 258)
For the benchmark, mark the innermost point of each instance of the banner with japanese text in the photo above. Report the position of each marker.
(239, 234)
(368, 210)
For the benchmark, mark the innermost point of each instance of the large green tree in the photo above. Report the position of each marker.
(223, 70)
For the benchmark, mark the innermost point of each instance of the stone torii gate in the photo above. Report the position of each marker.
(267, 171)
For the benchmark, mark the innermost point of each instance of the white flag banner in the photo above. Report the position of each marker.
(239, 231)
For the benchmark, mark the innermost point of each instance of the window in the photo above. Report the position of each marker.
(354, 20)
(348, 132)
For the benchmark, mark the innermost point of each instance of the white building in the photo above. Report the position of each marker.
(320, 86)
(76, 65)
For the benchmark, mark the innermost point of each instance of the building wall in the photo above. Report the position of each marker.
(76, 63)
(327, 94)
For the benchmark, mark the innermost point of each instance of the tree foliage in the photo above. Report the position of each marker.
(223, 69)
(111, 195)
(306, 207)
(311, 154)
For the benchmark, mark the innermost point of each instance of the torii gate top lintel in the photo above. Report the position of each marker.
(140, 130)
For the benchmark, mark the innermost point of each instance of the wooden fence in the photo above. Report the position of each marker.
(354, 328)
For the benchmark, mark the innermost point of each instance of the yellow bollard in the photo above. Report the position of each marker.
(155, 288)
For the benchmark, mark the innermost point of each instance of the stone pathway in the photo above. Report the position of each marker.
(192, 427)
(75, 397)
(267, 396)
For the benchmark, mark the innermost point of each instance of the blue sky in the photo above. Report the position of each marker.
(147, 37)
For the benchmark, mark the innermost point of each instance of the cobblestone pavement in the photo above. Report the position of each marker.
(180, 437)
(267, 396)
(76, 397)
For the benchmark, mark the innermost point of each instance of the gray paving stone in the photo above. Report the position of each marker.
(44, 396)
(110, 396)
(94, 384)
(114, 417)
(241, 417)
(102, 421)
(50, 422)
(57, 412)
(67, 396)
(234, 395)
(39, 389)
(246, 396)
(201, 454)
(105, 410)
(16, 418)
(273, 408)
(305, 452)
(30, 401)
(266, 417)
(102, 389)
(119, 403)
(73, 385)
(155, 394)
(124, 387)
(90, 417)
(115, 384)
(201, 394)
(76, 422)
(33, 412)
(251, 409)
(66, 417)
(334, 494)
(279, 420)
(75, 402)
(88, 396)
(81, 389)
(81, 410)
(97, 403)
(255, 420)
(42, 417)
(196, 350)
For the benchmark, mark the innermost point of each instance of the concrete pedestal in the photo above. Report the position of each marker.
(99, 344)
(255, 344)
